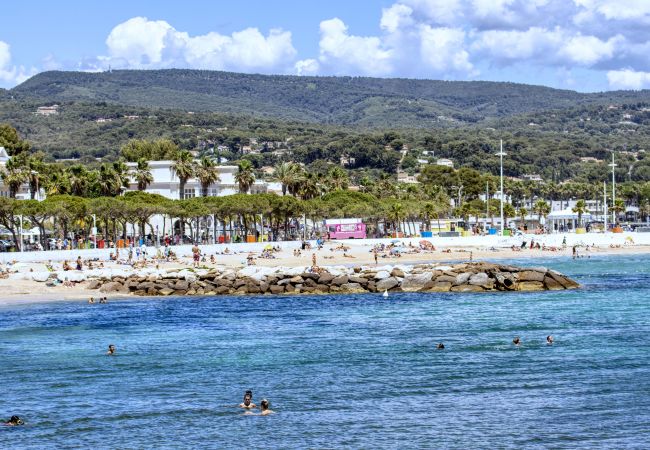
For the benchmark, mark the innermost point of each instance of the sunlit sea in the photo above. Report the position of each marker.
(351, 371)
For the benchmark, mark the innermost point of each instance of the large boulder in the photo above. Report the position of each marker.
(113, 286)
(352, 288)
(531, 286)
(531, 275)
(165, 291)
(462, 278)
(387, 283)
(481, 279)
(467, 288)
(416, 282)
(181, 285)
(325, 278)
(341, 279)
(397, 273)
(567, 283)
(382, 274)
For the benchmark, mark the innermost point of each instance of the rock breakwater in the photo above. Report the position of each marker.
(469, 277)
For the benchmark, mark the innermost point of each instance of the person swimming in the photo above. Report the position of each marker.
(111, 350)
(264, 408)
(549, 340)
(440, 346)
(103, 300)
(248, 401)
(14, 421)
(516, 341)
(91, 300)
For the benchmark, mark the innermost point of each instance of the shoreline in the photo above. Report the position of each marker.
(18, 289)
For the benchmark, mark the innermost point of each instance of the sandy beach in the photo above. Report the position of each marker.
(20, 287)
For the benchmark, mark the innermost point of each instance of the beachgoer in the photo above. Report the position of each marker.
(248, 401)
(375, 255)
(111, 350)
(440, 346)
(212, 259)
(66, 265)
(313, 260)
(516, 341)
(575, 252)
(103, 300)
(92, 300)
(264, 408)
(196, 255)
(549, 340)
(14, 421)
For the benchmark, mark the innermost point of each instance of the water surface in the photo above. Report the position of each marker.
(355, 371)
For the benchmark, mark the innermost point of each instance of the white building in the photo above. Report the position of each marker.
(23, 193)
(166, 183)
(445, 162)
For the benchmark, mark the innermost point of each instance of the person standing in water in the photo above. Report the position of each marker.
(14, 421)
(549, 340)
(516, 341)
(111, 350)
(264, 408)
(248, 401)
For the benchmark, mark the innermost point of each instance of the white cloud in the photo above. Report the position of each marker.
(396, 17)
(10, 75)
(589, 50)
(143, 43)
(443, 50)
(513, 45)
(628, 79)
(616, 9)
(341, 52)
(307, 67)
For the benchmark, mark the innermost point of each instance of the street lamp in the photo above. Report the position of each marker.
(95, 230)
(613, 166)
(501, 155)
(21, 232)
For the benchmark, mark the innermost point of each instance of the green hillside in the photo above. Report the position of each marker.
(372, 102)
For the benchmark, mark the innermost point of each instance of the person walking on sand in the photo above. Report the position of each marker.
(374, 251)
(313, 260)
(196, 255)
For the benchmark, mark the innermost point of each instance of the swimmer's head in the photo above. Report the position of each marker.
(264, 404)
(15, 420)
(440, 346)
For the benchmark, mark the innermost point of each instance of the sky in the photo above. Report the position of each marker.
(582, 45)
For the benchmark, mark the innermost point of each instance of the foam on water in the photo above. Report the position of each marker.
(353, 371)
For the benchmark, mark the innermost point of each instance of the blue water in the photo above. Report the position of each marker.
(356, 371)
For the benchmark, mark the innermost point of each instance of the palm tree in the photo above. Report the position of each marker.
(108, 182)
(396, 213)
(207, 173)
(245, 176)
(618, 208)
(78, 178)
(183, 167)
(14, 178)
(142, 174)
(541, 208)
(337, 179)
(288, 174)
(523, 212)
(580, 208)
(121, 171)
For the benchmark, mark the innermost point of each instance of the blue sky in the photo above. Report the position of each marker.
(585, 45)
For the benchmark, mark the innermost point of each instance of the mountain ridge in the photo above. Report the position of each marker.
(356, 101)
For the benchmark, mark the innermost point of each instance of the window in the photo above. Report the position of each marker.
(189, 193)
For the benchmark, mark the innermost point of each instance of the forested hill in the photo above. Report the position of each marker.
(373, 102)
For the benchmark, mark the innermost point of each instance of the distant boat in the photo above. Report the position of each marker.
(385, 294)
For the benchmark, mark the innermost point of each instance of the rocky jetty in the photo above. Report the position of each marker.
(471, 277)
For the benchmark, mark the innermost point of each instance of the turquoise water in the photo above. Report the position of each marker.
(356, 371)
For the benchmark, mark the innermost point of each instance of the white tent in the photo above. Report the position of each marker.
(566, 219)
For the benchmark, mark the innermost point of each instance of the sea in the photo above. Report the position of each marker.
(341, 371)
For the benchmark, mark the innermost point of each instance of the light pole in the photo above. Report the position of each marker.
(501, 155)
(95, 231)
(20, 234)
(604, 206)
(613, 166)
